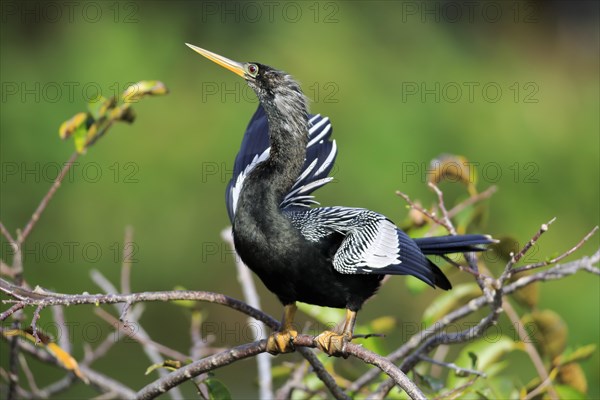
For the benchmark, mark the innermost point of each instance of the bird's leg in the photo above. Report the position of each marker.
(333, 343)
(282, 341)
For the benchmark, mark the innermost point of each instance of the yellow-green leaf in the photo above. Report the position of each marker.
(64, 358)
(579, 354)
(572, 375)
(453, 168)
(171, 365)
(143, 88)
(98, 107)
(71, 125)
(547, 331)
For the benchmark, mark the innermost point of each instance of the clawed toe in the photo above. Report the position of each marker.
(333, 343)
(281, 342)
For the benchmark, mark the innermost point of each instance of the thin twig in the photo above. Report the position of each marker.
(459, 370)
(128, 249)
(64, 341)
(472, 200)
(516, 257)
(423, 211)
(445, 217)
(321, 372)
(44, 203)
(560, 257)
(7, 234)
(28, 374)
(455, 392)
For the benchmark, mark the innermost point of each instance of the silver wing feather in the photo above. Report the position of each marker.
(371, 240)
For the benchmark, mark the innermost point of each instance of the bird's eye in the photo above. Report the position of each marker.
(253, 69)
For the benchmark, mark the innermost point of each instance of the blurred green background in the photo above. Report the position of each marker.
(512, 86)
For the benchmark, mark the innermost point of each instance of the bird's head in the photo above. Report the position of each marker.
(276, 90)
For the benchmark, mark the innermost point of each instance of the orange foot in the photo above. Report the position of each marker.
(282, 342)
(333, 343)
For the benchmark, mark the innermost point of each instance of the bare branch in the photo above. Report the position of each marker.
(59, 318)
(445, 218)
(459, 370)
(322, 373)
(28, 374)
(423, 211)
(557, 272)
(251, 349)
(560, 257)
(508, 270)
(7, 234)
(44, 203)
(25, 297)
(126, 264)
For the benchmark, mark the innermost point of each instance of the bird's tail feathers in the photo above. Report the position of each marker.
(440, 245)
(413, 262)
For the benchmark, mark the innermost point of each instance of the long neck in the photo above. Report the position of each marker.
(288, 133)
(268, 183)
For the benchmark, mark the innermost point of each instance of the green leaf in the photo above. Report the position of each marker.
(68, 127)
(547, 330)
(567, 392)
(415, 285)
(80, 138)
(465, 218)
(171, 365)
(579, 354)
(383, 324)
(434, 384)
(488, 351)
(217, 389)
(448, 301)
(473, 358)
(184, 303)
(98, 106)
(143, 88)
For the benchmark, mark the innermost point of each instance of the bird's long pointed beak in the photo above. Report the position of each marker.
(233, 66)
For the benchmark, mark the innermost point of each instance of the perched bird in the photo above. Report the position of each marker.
(328, 256)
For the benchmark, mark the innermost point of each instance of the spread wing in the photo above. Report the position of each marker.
(372, 244)
(320, 157)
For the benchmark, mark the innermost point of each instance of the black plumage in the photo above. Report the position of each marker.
(328, 256)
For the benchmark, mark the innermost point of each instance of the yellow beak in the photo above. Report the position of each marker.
(233, 66)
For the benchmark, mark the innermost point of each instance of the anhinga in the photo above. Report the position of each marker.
(328, 256)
